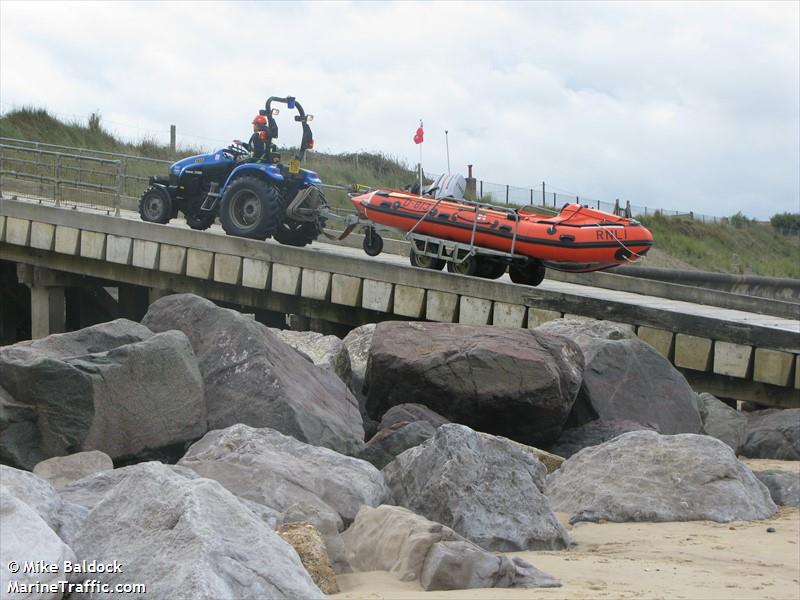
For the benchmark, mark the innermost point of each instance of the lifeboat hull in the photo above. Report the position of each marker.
(578, 239)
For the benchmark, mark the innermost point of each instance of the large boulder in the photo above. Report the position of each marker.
(625, 379)
(721, 421)
(511, 382)
(393, 539)
(573, 440)
(411, 412)
(463, 565)
(278, 471)
(389, 442)
(63, 517)
(20, 443)
(645, 476)
(784, 486)
(772, 433)
(253, 377)
(60, 471)
(357, 344)
(325, 351)
(26, 538)
(487, 488)
(189, 538)
(139, 396)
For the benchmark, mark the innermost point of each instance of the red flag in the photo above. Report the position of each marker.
(419, 136)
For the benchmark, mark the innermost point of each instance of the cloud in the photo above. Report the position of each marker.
(687, 106)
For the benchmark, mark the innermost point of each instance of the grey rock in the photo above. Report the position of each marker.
(773, 433)
(645, 476)
(411, 547)
(627, 380)
(357, 344)
(90, 490)
(63, 470)
(325, 351)
(784, 487)
(20, 443)
(393, 539)
(134, 397)
(253, 377)
(462, 565)
(329, 524)
(389, 442)
(278, 471)
(64, 518)
(487, 488)
(411, 412)
(721, 421)
(189, 538)
(593, 433)
(512, 382)
(21, 387)
(25, 537)
(587, 332)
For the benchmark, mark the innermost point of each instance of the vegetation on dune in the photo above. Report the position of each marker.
(739, 245)
(736, 245)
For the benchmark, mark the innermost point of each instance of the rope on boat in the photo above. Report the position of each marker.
(619, 241)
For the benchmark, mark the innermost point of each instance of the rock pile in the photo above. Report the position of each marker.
(474, 437)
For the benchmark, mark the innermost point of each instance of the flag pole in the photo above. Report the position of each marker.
(447, 145)
(420, 163)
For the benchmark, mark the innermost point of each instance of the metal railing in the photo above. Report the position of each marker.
(134, 172)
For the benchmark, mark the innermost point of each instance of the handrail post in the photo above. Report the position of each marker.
(58, 181)
(118, 170)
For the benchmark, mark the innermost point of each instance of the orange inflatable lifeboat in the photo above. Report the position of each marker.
(577, 239)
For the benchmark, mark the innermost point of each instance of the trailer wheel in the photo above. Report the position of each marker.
(490, 269)
(426, 262)
(156, 206)
(469, 266)
(531, 273)
(373, 243)
(250, 208)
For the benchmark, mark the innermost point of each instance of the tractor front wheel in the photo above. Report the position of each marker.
(156, 206)
(250, 208)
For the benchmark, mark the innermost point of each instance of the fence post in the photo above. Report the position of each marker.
(506, 194)
(554, 199)
(172, 137)
(125, 189)
(58, 180)
(118, 174)
(598, 205)
(544, 201)
(481, 197)
(531, 196)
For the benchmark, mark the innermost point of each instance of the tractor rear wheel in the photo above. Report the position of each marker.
(251, 208)
(156, 206)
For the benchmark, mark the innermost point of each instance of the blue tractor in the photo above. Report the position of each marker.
(252, 199)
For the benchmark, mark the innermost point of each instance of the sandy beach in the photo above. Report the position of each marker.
(692, 560)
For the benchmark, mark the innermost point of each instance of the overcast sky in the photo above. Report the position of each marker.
(685, 106)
